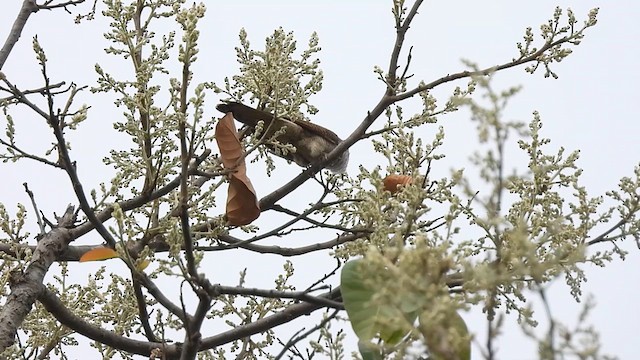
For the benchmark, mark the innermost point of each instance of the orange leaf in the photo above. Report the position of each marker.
(101, 253)
(242, 201)
(393, 182)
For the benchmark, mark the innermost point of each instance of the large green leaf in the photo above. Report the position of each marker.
(356, 296)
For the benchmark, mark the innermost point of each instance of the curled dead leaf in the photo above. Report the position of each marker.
(242, 201)
(392, 183)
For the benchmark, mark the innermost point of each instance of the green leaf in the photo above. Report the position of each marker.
(368, 320)
(444, 344)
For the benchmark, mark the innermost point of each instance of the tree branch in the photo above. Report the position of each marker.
(401, 31)
(287, 315)
(67, 318)
(216, 290)
(483, 72)
(297, 338)
(27, 285)
(28, 8)
(284, 251)
(140, 200)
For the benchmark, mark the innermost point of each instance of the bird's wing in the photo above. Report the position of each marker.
(319, 130)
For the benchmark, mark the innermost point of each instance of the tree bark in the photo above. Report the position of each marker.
(27, 285)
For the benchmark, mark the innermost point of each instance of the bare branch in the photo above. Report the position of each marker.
(605, 235)
(39, 90)
(143, 314)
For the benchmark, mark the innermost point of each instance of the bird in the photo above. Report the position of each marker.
(312, 142)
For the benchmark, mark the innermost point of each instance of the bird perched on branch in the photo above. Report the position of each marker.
(312, 142)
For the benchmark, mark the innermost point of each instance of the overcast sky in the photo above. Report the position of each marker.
(593, 106)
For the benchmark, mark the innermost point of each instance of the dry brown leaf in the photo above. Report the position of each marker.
(393, 182)
(242, 201)
(230, 147)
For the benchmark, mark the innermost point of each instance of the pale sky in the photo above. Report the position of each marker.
(591, 107)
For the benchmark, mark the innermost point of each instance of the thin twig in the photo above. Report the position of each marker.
(483, 72)
(153, 289)
(26, 155)
(285, 251)
(39, 90)
(552, 323)
(269, 322)
(295, 339)
(64, 5)
(217, 290)
(35, 208)
(604, 236)
(312, 287)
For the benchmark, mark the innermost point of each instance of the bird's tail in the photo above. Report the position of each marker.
(245, 114)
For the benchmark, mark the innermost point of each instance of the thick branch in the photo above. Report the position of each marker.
(67, 318)
(28, 7)
(27, 285)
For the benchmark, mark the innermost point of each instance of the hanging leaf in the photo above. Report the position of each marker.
(242, 201)
(392, 183)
